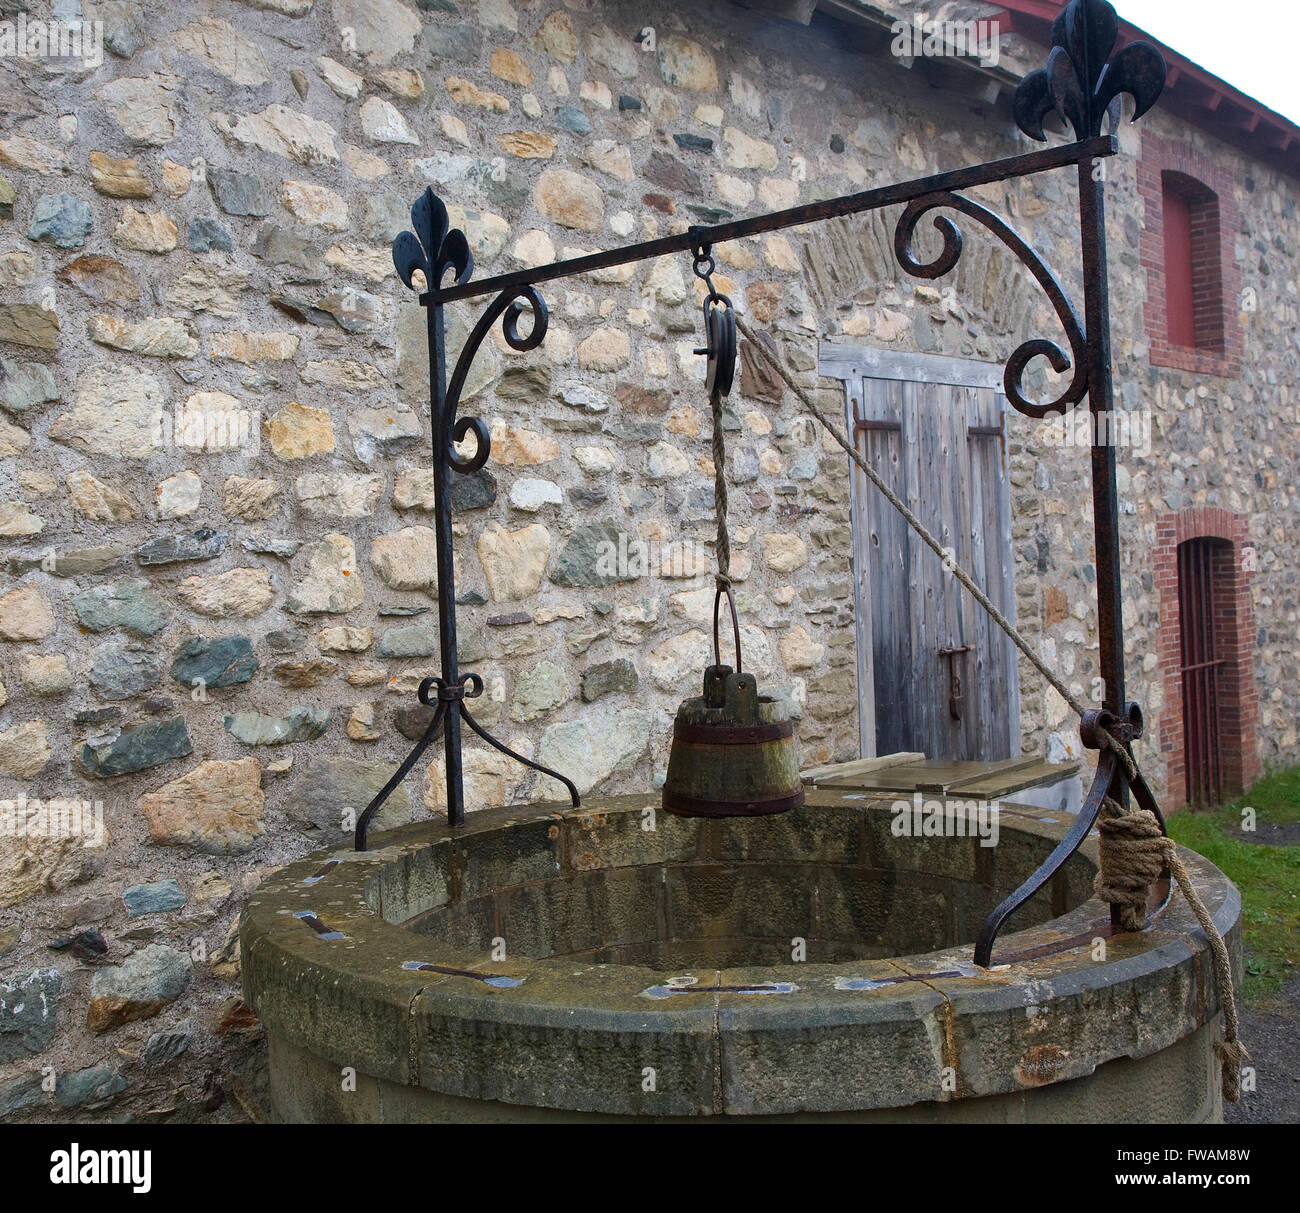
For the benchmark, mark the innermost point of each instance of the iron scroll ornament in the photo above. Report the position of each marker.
(508, 308)
(434, 248)
(947, 258)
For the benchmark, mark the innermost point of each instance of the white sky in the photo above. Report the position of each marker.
(1249, 43)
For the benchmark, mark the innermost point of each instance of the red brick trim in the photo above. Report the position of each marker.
(1160, 156)
(1238, 715)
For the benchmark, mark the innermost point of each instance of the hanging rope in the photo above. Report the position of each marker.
(1133, 849)
(719, 332)
(1133, 852)
(723, 548)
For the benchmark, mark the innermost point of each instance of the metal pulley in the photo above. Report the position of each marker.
(733, 751)
(719, 329)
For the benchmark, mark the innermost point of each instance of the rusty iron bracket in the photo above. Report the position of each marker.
(1108, 780)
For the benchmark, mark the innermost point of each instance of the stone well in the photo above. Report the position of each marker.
(648, 973)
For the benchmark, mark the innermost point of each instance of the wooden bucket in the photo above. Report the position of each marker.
(733, 752)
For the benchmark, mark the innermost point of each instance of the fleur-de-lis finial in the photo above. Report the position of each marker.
(434, 247)
(1081, 82)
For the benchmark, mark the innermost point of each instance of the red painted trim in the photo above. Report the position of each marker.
(1180, 312)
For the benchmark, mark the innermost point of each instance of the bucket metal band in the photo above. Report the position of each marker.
(732, 734)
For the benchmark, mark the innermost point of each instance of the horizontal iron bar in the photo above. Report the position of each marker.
(861, 426)
(833, 208)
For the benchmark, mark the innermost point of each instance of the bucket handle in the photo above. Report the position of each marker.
(735, 623)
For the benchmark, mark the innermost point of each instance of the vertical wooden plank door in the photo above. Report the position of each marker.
(937, 675)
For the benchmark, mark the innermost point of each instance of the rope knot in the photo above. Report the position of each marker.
(1232, 1056)
(1132, 849)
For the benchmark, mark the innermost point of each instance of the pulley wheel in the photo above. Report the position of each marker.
(720, 331)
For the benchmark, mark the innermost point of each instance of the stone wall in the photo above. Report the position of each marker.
(219, 559)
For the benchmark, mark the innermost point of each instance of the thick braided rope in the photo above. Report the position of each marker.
(723, 548)
(1132, 858)
(1133, 852)
(1232, 1053)
(930, 541)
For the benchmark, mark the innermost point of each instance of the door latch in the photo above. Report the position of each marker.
(954, 678)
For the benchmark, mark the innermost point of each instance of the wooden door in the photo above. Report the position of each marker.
(940, 677)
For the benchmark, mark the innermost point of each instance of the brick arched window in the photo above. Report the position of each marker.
(1206, 654)
(1193, 274)
(1186, 245)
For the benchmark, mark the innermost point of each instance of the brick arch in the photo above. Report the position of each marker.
(1238, 712)
(1209, 183)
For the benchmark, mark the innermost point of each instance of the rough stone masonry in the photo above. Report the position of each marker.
(218, 559)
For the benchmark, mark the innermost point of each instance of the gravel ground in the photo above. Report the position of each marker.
(1286, 834)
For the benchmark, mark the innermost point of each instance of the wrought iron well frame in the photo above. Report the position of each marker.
(1083, 83)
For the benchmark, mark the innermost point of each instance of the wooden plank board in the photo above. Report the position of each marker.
(999, 583)
(862, 362)
(945, 777)
(1004, 783)
(935, 430)
(920, 686)
(958, 603)
(859, 523)
(1004, 565)
(996, 669)
(860, 766)
(886, 559)
(930, 775)
(984, 703)
(879, 781)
